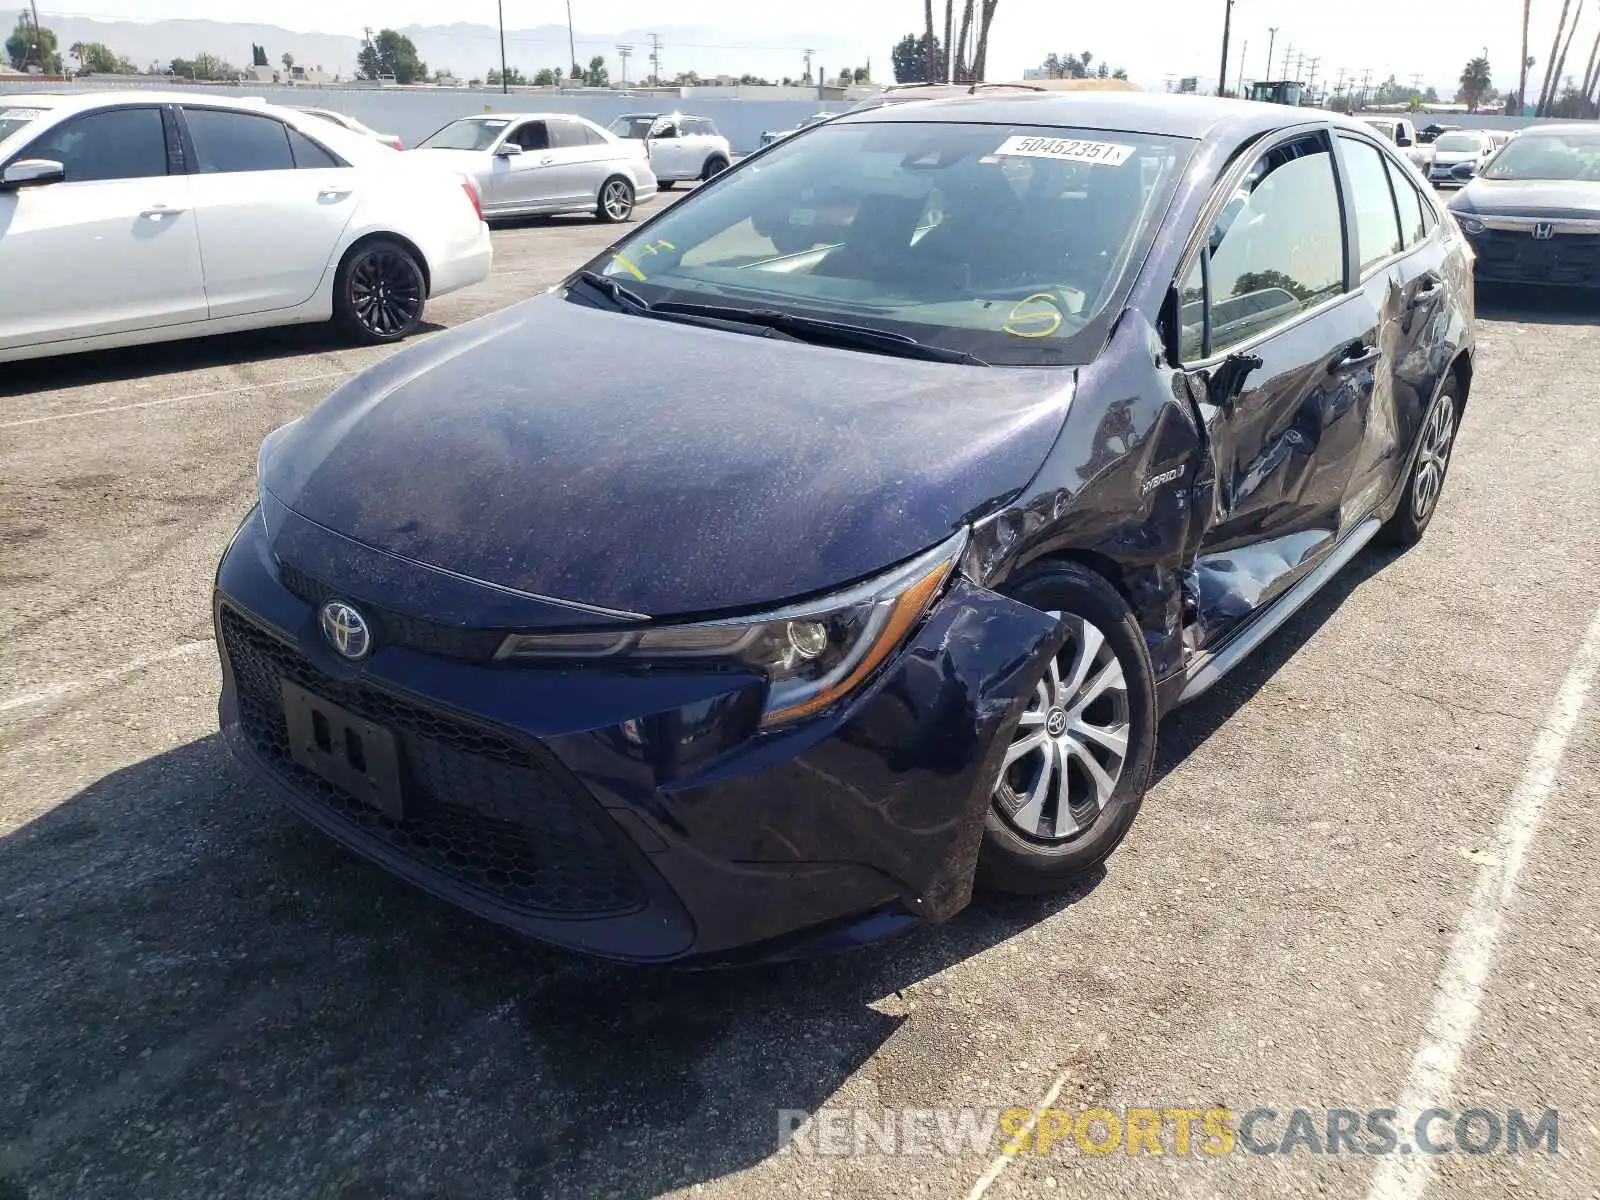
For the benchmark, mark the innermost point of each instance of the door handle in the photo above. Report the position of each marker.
(546, 161)
(1353, 356)
(158, 212)
(333, 193)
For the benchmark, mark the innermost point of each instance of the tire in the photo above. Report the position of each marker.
(1436, 441)
(1027, 845)
(666, 185)
(715, 165)
(379, 293)
(615, 203)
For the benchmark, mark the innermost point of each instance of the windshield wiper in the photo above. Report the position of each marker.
(822, 332)
(619, 295)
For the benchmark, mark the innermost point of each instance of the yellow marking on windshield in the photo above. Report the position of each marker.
(658, 247)
(1035, 316)
(629, 267)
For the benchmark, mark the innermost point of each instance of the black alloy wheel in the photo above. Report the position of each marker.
(380, 293)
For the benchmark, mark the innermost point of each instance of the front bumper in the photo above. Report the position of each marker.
(639, 815)
(1515, 256)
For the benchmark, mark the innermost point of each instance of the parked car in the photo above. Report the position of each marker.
(143, 217)
(680, 148)
(860, 573)
(529, 163)
(1402, 134)
(346, 121)
(1429, 134)
(777, 135)
(1472, 147)
(1532, 213)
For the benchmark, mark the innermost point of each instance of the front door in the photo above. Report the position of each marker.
(1285, 359)
(541, 177)
(268, 225)
(113, 249)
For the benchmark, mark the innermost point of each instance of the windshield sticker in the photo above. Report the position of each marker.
(1036, 316)
(20, 114)
(494, 124)
(1100, 154)
(628, 266)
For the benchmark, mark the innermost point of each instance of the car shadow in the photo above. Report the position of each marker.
(199, 988)
(1539, 305)
(1188, 728)
(174, 358)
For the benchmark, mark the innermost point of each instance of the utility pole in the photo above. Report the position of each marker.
(572, 44)
(1227, 29)
(808, 53)
(1366, 78)
(1272, 31)
(623, 52)
(1299, 66)
(500, 9)
(655, 58)
(1288, 53)
(1311, 80)
(1244, 49)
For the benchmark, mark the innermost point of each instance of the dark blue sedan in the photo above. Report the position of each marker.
(836, 541)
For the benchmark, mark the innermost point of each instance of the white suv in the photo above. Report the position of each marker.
(681, 148)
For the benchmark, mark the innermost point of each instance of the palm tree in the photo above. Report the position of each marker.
(963, 59)
(949, 32)
(1522, 87)
(930, 58)
(1561, 62)
(1589, 74)
(1474, 82)
(1551, 79)
(981, 54)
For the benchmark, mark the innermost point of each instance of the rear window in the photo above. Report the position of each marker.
(1449, 142)
(1004, 243)
(632, 127)
(465, 135)
(14, 118)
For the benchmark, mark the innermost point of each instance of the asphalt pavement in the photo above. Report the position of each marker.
(1364, 877)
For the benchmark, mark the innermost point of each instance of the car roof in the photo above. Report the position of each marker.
(78, 101)
(520, 116)
(1185, 116)
(1565, 129)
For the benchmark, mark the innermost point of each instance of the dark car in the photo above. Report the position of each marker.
(1532, 212)
(1429, 134)
(731, 602)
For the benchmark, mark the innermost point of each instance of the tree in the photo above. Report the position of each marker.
(931, 68)
(1522, 87)
(1561, 59)
(30, 46)
(94, 58)
(862, 74)
(513, 77)
(980, 56)
(391, 53)
(258, 55)
(203, 66)
(545, 77)
(687, 79)
(288, 62)
(910, 56)
(1474, 82)
(1431, 96)
(1547, 92)
(596, 75)
(1076, 66)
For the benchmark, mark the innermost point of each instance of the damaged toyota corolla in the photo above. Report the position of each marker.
(835, 542)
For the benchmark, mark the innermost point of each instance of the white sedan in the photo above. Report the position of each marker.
(144, 217)
(542, 163)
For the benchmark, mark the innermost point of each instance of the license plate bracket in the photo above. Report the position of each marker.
(344, 749)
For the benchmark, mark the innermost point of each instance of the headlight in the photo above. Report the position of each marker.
(1469, 224)
(812, 654)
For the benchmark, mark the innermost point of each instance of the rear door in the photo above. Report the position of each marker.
(114, 248)
(1279, 348)
(579, 164)
(271, 204)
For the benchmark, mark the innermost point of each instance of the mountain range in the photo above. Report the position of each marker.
(470, 50)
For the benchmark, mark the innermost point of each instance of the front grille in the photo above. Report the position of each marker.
(397, 629)
(482, 811)
(1567, 258)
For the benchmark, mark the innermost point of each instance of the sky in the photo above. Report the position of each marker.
(1153, 39)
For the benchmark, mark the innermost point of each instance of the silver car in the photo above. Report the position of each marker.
(528, 163)
(346, 121)
(681, 148)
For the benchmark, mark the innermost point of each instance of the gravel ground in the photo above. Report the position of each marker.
(203, 997)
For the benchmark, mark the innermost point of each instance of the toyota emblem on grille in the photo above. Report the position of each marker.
(346, 629)
(1543, 231)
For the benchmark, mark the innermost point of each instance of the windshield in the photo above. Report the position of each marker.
(473, 134)
(13, 119)
(1548, 156)
(1459, 143)
(1005, 243)
(632, 127)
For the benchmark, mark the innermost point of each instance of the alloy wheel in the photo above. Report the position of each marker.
(1433, 457)
(1068, 752)
(616, 200)
(386, 293)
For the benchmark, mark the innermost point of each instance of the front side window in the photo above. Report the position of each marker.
(119, 143)
(473, 134)
(1276, 249)
(532, 135)
(1377, 229)
(1006, 243)
(228, 143)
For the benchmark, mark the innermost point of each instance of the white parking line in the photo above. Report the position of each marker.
(1003, 1160)
(225, 391)
(1458, 994)
(53, 691)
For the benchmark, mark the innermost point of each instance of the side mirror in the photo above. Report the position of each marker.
(508, 150)
(1464, 171)
(1402, 140)
(32, 172)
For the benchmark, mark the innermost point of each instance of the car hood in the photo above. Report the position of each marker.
(1444, 157)
(1530, 198)
(659, 468)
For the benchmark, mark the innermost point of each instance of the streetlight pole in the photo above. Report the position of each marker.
(1227, 29)
(500, 9)
(572, 45)
(1272, 37)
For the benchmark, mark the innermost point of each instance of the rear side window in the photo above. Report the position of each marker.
(567, 133)
(119, 143)
(308, 156)
(1377, 228)
(1276, 249)
(701, 126)
(231, 142)
(1414, 222)
(594, 137)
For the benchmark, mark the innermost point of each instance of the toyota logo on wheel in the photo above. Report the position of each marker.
(346, 629)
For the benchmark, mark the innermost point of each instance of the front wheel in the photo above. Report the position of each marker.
(616, 201)
(1078, 762)
(1435, 443)
(379, 292)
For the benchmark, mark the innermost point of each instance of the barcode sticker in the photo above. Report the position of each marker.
(1100, 154)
